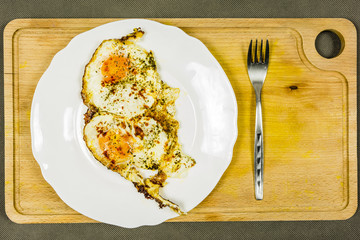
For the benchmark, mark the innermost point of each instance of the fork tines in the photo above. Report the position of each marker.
(264, 58)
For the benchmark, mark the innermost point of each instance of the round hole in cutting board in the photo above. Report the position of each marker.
(329, 43)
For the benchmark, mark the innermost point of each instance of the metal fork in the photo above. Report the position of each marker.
(257, 70)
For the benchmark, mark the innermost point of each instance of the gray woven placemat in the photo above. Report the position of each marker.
(11, 9)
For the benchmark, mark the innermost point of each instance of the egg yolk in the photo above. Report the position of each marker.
(116, 146)
(114, 69)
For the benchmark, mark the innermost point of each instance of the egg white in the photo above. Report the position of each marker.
(130, 124)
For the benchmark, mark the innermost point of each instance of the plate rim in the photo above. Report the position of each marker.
(48, 178)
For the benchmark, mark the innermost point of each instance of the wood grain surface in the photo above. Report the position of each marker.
(309, 114)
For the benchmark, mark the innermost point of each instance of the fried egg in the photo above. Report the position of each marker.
(121, 77)
(130, 124)
(114, 141)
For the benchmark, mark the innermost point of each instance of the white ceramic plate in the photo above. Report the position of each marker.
(206, 110)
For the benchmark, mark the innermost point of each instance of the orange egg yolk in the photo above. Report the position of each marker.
(114, 69)
(116, 146)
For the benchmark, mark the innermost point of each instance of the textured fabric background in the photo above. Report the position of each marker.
(12, 9)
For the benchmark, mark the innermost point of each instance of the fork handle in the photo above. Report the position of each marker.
(258, 151)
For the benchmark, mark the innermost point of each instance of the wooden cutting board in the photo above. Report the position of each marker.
(309, 113)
